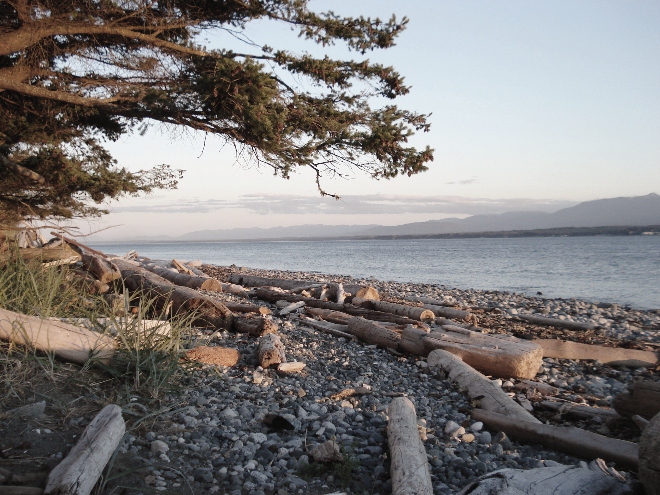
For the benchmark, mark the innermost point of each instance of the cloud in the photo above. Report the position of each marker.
(465, 182)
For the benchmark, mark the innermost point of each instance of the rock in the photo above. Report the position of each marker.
(219, 356)
(327, 452)
(159, 447)
(29, 410)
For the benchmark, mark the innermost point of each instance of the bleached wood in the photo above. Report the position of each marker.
(373, 333)
(412, 340)
(410, 471)
(428, 300)
(649, 457)
(411, 312)
(291, 367)
(254, 325)
(290, 308)
(270, 351)
(614, 356)
(183, 268)
(490, 396)
(247, 308)
(68, 342)
(335, 329)
(556, 322)
(80, 470)
(580, 410)
(444, 312)
(575, 441)
(103, 269)
(185, 280)
(234, 289)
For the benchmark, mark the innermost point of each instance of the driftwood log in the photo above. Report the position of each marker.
(373, 333)
(330, 315)
(255, 326)
(181, 267)
(574, 441)
(614, 356)
(428, 300)
(335, 329)
(556, 322)
(234, 289)
(183, 279)
(412, 340)
(85, 282)
(410, 471)
(270, 351)
(643, 398)
(579, 410)
(80, 470)
(68, 342)
(283, 283)
(444, 312)
(246, 308)
(649, 457)
(490, 396)
(412, 312)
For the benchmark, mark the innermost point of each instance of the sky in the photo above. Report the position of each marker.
(534, 106)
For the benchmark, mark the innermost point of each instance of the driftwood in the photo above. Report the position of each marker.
(367, 293)
(183, 268)
(337, 292)
(247, 308)
(490, 396)
(104, 270)
(556, 480)
(283, 283)
(255, 326)
(292, 367)
(428, 300)
(410, 471)
(492, 354)
(614, 356)
(20, 490)
(325, 326)
(270, 350)
(330, 315)
(412, 340)
(412, 312)
(444, 312)
(556, 322)
(185, 280)
(208, 312)
(290, 308)
(575, 441)
(579, 410)
(234, 289)
(649, 457)
(86, 283)
(66, 341)
(80, 470)
(218, 356)
(44, 255)
(373, 333)
(643, 398)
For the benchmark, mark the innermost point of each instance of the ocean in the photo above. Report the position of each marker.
(623, 270)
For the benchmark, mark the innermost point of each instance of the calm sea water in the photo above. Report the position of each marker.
(625, 270)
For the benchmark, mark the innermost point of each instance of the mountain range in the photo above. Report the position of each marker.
(624, 211)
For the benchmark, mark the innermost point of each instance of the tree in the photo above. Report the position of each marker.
(74, 73)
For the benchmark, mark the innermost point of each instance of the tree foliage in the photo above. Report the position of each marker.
(74, 73)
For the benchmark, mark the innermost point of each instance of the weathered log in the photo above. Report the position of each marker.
(642, 399)
(367, 293)
(497, 355)
(293, 367)
(183, 268)
(325, 326)
(555, 480)
(236, 290)
(614, 356)
(86, 283)
(412, 312)
(412, 340)
(255, 326)
(63, 252)
(579, 410)
(556, 322)
(330, 315)
(410, 471)
(208, 311)
(270, 350)
(373, 333)
(649, 457)
(575, 441)
(104, 270)
(218, 356)
(444, 312)
(247, 308)
(80, 470)
(337, 292)
(428, 300)
(290, 308)
(185, 280)
(68, 342)
(478, 387)
(282, 283)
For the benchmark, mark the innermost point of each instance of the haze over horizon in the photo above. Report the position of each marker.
(535, 107)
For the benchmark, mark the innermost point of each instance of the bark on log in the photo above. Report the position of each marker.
(325, 326)
(614, 356)
(556, 480)
(293, 367)
(185, 280)
(62, 252)
(444, 312)
(255, 326)
(500, 356)
(412, 312)
(290, 308)
(337, 292)
(236, 290)
(85, 282)
(490, 396)
(649, 457)
(80, 470)
(575, 441)
(429, 300)
(104, 270)
(270, 350)
(556, 322)
(247, 308)
(330, 315)
(579, 410)
(412, 340)
(209, 312)
(367, 293)
(373, 333)
(410, 471)
(642, 399)
(69, 342)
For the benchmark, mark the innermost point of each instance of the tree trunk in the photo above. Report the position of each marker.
(614, 356)
(555, 322)
(373, 333)
(282, 283)
(247, 308)
(68, 342)
(80, 470)
(367, 293)
(185, 280)
(85, 282)
(412, 312)
(181, 267)
(325, 326)
(412, 340)
(579, 410)
(270, 350)
(330, 315)
(496, 355)
(649, 457)
(410, 471)
(574, 441)
(478, 387)
(445, 312)
(104, 270)
(255, 326)
(642, 399)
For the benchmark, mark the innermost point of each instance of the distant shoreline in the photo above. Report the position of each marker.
(557, 232)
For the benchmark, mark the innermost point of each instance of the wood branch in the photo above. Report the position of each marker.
(579, 410)
(68, 342)
(185, 280)
(80, 470)
(412, 340)
(412, 312)
(247, 308)
(282, 283)
(410, 471)
(649, 457)
(497, 355)
(183, 268)
(490, 396)
(330, 315)
(21, 170)
(255, 326)
(556, 322)
(290, 308)
(208, 311)
(444, 312)
(614, 356)
(337, 292)
(77, 244)
(270, 351)
(643, 398)
(293, 367)
(325, 326)
(373, 333)
(103, 269)
(574, 441)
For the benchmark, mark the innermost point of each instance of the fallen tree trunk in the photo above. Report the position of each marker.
(290, 308)
(373, 333)
(68, 342)
(428, 300)
(412, 312)
(255, 326)
(642, 399)
(412, 340)
(410, 471)
(444, 312)
(236, 290)
(330, 315)
(579, 410)
(282, 283)
(649, 457)
(184, 269)
(247, 308)
(80, 470)
(208, 312)
(86, 282)
(556, 322)
(270, 351)
(325, 326)
(104, 270)
(185, 280)
(614, 356)
(490, 396)
(575, 441)
(492, 354)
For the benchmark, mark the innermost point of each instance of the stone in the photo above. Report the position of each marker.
(326, 452)
(29, 410)
(159, 447)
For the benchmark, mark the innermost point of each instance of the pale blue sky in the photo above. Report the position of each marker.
(535, 105)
